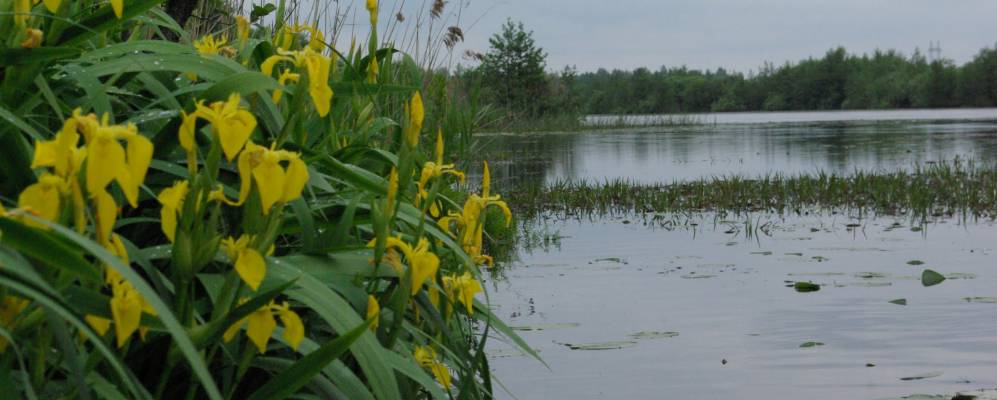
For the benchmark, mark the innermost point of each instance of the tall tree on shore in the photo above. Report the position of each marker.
(513, 69)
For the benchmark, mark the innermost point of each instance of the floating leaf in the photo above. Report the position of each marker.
(931, 278)
(915, 262)
(980, 299)
(697, 276)
(926, 375)
(900, 302)
(600, 345)
(806, 287)
(811, 344)
(542, 327)
(653, 335)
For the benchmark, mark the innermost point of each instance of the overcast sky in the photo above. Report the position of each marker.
(734, 34)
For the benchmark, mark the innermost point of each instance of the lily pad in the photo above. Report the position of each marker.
(795, 254)
(899, 302)
(806, 287)
(871, 275)
(611, 260)
(762, 253)
(653, 335)
(915, 262)
(543, 327)
(980, 299)
(931, 278)
(698, 276)
(926, 375)
(819, 258)
(600, 345)
(811, 344)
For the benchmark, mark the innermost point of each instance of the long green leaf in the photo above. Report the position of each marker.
(341, 316)
(173, 327)
(293, 378)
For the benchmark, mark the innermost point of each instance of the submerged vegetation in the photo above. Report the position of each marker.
(249, 213)
(942, 189)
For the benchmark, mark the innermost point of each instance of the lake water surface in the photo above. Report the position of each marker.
(701, 306)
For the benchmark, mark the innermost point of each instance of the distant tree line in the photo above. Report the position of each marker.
(839, 80)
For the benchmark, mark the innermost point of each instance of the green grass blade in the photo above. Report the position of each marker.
(293, 378)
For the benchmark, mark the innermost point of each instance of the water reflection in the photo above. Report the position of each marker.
(683, 153)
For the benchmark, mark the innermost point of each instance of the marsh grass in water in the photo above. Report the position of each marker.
(956, 188)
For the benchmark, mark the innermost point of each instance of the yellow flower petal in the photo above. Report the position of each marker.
(33, 40)
(53, 5)
(139, 157)
(294, 329)
(99, 324)
(261, 325)
(126, 309)
(46, 154)
(106, 161)
(172, 199)
(269, 178)
(318, 82)
(295, 179)
(107, 213)
(251, 267)
(232, 330)
(424, 265)
(119, 7)
(42, 198)
(235, 132)
(187, 130)
(373, 311)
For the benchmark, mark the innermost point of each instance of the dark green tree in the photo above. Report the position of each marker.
(513, 70)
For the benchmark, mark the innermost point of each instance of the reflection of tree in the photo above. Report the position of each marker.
(684, 153)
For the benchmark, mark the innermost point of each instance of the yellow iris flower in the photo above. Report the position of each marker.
(372, 9)
(232, 124)
(171, 199)
(208, 45)
(426, 357)
(416, 116)
(65, 157)
(43, 199)
(10, 308)
(423, 262)
(372, 70)
(52, 5)
(119, 7)
(373, 311)
(33, 40)
(108, 160)
(261, 324)
(127, 305)
(249, 263)
(434, 169)
(242, 29)
(274, 182)
(462, 288)
(285, 77)
(470, 222)
(317, 66)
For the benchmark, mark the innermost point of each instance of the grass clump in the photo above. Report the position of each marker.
(941, 189)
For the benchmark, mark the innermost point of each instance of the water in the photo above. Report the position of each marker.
(790, 146)
(725, 286)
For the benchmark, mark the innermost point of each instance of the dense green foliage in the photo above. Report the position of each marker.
(885, 79)
(247, 214)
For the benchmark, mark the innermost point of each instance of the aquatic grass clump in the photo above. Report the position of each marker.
(956, 188)
(249, 214)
